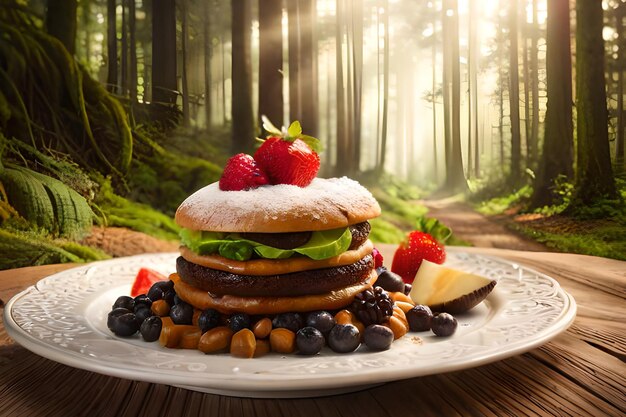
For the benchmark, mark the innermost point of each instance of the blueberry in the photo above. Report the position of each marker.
(291, 321)
(208, 319)
(309, 340)
(344, 338)
(443, 324)
(182, 313)
(239, 321)
(114, 314)
(390, 281)
(177, 300)
(151, 328)
(143, 299)
(419, 318)
(380, 270)
(124, 325)
(155, 293)
(142, 313)
(169, 296)
(321, 320)
(124, 301)
(377, 337)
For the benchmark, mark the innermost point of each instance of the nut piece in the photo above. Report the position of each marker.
(396, 325)
(400, 296)
(283, 340)
(171, 336)
(190, 339)
(262, 347)
(215, 339)
(243, 344)
(160, 308)
(262, 328)
(404, 306)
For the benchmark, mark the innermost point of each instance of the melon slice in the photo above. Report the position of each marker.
(450, 290)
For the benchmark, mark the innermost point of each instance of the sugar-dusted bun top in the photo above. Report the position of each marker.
(325, 204)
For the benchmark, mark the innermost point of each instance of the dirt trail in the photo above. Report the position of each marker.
(477, 229)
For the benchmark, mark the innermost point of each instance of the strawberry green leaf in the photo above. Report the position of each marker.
(435, 228)
(313, 143)
(269, 127)
(295, 129)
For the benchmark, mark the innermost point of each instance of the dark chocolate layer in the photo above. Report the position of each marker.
(317, 281)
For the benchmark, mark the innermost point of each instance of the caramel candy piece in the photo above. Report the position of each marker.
(262, 328)
(243, 344)
(262, 347)
(171, 336)
(400, 296)
(190, 339)
(283, 340)
(404, 306)
(160, 308)
(215, 339)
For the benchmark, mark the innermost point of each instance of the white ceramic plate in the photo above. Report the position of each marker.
(63, 318)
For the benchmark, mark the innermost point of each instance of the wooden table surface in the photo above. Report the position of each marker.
(580, 372)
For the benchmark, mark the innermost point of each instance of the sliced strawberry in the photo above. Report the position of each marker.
(288, 162)
(242, 173)
(410, 254)
(144, 280)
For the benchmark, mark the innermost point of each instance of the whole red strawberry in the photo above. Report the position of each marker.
(242, 173)
(288, 157)
(410, 254)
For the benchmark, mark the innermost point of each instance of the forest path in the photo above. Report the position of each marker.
(477, 229)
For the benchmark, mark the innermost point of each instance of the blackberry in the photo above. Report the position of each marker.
(372, 306)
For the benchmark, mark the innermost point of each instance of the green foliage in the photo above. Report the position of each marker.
(119, 211)
(49, 101)
(499, 205)
(19, 249)
(47, 202)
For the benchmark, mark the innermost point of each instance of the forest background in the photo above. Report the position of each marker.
(113, 111)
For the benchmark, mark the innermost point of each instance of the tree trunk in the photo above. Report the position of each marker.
(308, 67)
(472, 65)
(357, 79)
(455, 179)
(242, 113)
(342, 140)
(526, 76)
(164, 82)
(619, 134)
(594, 176)
(533, 140)
(293, 40)
(184, 25)
(132, 73)
(111, 46)
(383, 129)
(558, 150)
(124, 51)
(271, 61)
(61, 22)
(208, 52)
(434, 102)
(516, 171)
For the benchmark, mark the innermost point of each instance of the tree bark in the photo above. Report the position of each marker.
(357, 79)
(184, 25)
(61, 22)
(594, 176)
(271, 61)
(242, 113)
(111, 46)
(342, 140)
(516, 148)
(293, 40)
(208, 52)
(533, 140)
(308, 67)
(619, 134)
(558, 150)
(383, 129)
(124, 51)
(164, 82)
(434, 102)
(132, 72)
(455, 179)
